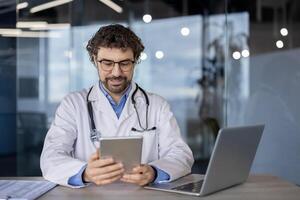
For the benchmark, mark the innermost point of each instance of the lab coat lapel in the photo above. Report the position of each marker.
(128, 109)
(101, 103)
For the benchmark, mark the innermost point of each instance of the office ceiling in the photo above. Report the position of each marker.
(82, 12)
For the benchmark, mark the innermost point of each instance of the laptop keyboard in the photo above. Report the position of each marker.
(190, 187)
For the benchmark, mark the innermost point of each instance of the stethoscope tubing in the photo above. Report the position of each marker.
(96, 135)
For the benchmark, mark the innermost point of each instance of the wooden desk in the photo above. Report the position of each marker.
(257, 187)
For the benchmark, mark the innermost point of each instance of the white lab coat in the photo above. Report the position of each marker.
(67, 146)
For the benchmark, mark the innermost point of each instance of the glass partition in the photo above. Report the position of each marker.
(7, 90)
(263, 81)
(183, 61)
(43, 75)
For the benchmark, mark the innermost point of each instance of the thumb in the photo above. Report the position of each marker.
(98, 153)
(139, 169)
(94, 157)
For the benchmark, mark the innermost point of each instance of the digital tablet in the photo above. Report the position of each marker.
(127, 150)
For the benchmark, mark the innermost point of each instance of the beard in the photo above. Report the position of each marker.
(116, 85)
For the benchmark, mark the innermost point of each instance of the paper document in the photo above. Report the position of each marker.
(21, 189)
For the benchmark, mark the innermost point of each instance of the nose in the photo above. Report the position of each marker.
(116, 71)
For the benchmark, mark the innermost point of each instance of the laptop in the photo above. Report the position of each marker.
(229, 165)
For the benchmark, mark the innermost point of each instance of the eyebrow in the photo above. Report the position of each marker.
(127, 59)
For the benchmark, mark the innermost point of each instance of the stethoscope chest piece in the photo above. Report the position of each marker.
(95, 137)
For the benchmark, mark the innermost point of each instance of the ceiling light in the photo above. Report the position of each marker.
(32, 24)
(159, 54)
(52, 27)
(236, 55)
(12, 31)
(185, 31)
(245, 53)
(143, 56)
(48, 5)
(41, 25)
(32, 34)
(147, 18)
(284, 32)
(112, 5)
(22, 5)
(68, 54)
(279, 44)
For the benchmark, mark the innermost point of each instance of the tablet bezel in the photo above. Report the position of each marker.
(127, 150)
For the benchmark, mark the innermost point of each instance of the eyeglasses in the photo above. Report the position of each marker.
(108, 65)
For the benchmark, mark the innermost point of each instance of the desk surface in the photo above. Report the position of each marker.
(256, 187)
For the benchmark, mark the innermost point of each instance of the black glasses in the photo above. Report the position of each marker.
(108, 65)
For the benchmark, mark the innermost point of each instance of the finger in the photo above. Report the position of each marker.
(98, 153)
(129, 180)
(106, 169)
(94, 157)
(134, 177)
(107, 181)
(144, 182)
(102, 162)
(138, 182)
(110, 175)
(136, 169)
(140, 169)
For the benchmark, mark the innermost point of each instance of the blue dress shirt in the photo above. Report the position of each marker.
(77, 180)
(117, 107)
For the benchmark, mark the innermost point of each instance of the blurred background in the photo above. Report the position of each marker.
(219, 63)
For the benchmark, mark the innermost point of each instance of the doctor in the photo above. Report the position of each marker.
(115, 106)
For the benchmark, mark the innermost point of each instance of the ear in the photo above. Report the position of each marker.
(95, 61)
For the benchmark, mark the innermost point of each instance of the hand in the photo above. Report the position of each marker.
(102, 171)
(141, 175)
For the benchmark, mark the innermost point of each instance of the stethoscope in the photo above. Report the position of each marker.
(95, 135)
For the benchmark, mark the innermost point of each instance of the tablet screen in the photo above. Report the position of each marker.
(127, 150)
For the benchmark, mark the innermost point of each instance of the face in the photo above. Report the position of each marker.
(115, 80)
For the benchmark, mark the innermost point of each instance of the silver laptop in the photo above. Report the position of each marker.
(229, 165)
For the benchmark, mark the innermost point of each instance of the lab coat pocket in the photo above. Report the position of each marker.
(150, 145)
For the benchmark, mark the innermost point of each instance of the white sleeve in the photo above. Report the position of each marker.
(57, 161)
(175, 156)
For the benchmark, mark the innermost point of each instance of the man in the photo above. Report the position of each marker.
(119, 108)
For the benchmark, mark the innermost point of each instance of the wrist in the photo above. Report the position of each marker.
(154, 174)
(85, 178)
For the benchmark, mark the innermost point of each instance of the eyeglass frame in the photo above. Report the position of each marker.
(116, 62)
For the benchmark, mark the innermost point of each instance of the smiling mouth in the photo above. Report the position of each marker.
(116, 81)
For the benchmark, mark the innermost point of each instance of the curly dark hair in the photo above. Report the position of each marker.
(115, 36)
